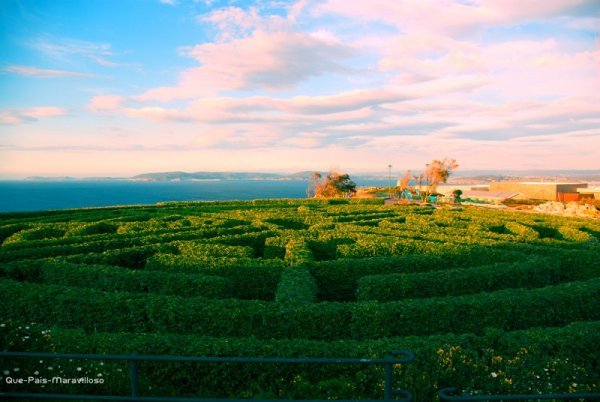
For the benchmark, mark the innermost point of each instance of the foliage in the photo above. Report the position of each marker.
(473, 292)
(438, 171)
(296, 287)
(334, 185)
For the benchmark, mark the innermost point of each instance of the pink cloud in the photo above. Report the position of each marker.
(31, 114)
(253, 52)
(103, 103)
(44, 111)
(158, 114)
(448, 16)
(45, 73)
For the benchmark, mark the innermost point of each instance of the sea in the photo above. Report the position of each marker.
(27, 195)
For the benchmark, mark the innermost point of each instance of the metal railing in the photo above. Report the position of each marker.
(449, 395)
(388, 361)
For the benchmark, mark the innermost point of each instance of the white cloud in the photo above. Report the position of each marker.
(20, 116)
(45, 73)
(103, 103)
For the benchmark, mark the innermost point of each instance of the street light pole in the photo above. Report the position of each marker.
(427, 177)
(390, 181)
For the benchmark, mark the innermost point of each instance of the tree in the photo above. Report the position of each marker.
(334, 185)
(313, 182)
(438, 172)
(405, 182)
(457, 193)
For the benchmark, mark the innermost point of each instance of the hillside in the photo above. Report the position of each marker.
(489, 301)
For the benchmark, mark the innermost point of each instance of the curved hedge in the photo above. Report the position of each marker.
(134, 312)
(547, 360)
(110, 278)
(296, 287)
(532, 273)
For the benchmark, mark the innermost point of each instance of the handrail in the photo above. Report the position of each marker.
(388, 361)
(449, 395)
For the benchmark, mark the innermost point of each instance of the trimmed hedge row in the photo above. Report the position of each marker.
(548, 360)
(297, 252)
(574, 234)
(508, 309)
(338, 279)
(524, 232)
(134, 257)
(249, 278)
(296, 287)
(110, 278)
(133, 312)
(533, 273)
(194, 248)
(9, 230)
(275, 247)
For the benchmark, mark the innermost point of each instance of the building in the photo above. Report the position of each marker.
(550, 191)
(591, 193)
(496, 197)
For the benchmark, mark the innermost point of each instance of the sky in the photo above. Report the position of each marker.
(122, 87)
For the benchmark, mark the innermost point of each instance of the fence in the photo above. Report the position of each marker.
(449, 395)
(388, 361)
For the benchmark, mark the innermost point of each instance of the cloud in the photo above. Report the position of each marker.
(12, 117)
(169, 2)
(253, 53)
(444, 16)
(103, 103)
(158, 114)
(45, 73)
(65, 49)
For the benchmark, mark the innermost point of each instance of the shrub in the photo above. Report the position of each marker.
(297, 252)
(541, 360)
(524, 232)
(110, 278)
(507, 309)
(532, 273)
(574, 234)
(95, 228)
(249, 278)
(296, 287)
(133, 312)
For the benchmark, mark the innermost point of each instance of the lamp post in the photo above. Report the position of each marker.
(427, 177)
(390, 182)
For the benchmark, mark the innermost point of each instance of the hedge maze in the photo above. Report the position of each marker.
(490, 302)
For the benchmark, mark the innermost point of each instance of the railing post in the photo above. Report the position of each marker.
(389, 379)
(133, 375)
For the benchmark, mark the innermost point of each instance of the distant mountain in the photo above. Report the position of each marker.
(184, 176)
(44, 178)
(478, 175)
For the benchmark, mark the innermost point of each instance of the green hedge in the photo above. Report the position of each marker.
(134, 312)
(110, 278)
(575, 234)
(95, 228)
(508, 309)
(296, 287)
(546, 360)
(522, 231)
(531, 273)
(338, 279)
(249, 278)
(297, 252)
(275, 247)
(9, 230)
(133, 257)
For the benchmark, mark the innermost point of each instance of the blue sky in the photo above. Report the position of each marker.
(125, 87)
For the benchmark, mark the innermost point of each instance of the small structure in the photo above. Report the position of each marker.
(591, 193)
(549, 191)
(496, 197)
